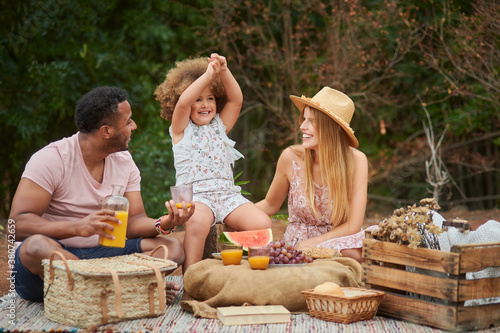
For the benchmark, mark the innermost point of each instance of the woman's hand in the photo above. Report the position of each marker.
(311, 242)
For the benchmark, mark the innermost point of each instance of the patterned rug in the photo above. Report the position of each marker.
(19, 315)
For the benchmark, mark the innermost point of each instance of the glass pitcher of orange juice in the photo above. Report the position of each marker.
(117, 202)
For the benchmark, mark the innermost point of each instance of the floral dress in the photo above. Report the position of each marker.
(302, 223)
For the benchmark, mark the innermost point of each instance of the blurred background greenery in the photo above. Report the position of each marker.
(424, 75)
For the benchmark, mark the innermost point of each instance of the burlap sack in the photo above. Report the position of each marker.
(214, 285)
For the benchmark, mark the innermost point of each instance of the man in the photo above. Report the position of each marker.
(57, 205)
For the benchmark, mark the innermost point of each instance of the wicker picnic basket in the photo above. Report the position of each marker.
(357, 304)
(93, 292)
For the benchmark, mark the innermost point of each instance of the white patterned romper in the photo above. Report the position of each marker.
(204, 157)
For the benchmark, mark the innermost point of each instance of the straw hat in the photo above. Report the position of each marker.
(335, 104)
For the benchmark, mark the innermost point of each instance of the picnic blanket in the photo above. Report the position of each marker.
(214, 285)
(29, 317)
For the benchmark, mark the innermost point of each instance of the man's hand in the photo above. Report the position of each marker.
(176, 216)
(96, 223)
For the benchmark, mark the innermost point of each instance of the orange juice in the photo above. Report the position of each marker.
(231, 257)
(120, 232)
(179, 205)
(258, 262)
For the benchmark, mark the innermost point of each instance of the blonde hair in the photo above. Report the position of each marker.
(179, 78)
(336, 166)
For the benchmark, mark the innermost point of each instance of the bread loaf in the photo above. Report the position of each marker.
(329, 288)
(321, 253)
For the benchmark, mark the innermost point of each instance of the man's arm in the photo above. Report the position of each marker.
(31, 201)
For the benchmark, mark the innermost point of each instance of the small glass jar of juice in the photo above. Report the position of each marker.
(231, 253)
(258, 257)
(182, 193)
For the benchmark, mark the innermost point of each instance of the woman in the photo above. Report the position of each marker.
(325, 178)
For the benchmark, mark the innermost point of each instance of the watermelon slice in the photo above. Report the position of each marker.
(247, 238)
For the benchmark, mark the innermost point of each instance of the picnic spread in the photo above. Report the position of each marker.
(418, 268)
(214, 285)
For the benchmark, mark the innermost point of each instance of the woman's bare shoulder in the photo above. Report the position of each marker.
(360, 161)
(296, 151)
(359, 156)
(292, 153)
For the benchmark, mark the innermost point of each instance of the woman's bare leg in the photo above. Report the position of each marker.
(354, 254)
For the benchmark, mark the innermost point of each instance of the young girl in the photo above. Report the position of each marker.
(325, 178)
(203, 100)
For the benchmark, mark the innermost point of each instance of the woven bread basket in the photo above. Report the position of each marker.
(93, 292)
(357, 304)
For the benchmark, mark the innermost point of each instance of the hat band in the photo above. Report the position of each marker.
(328, 112)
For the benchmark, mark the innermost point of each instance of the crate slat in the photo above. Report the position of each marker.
(478, 288)
(478, 317)
(476, 257)
(439, 261)
(454, 290)
(446, 317)
(417, 311)
(443, 288)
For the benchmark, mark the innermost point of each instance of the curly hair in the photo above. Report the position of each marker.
(179, 78)
(98, 107)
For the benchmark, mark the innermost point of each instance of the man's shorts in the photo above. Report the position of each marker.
(30, 286)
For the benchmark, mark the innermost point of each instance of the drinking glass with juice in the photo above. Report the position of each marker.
(231, 253)
(182, 193)
(120, 232)
(258, 257)
(120, 205)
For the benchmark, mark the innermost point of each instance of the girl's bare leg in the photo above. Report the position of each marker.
(247, 217)
(197, 229)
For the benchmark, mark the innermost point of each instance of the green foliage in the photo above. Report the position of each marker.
(54, 51)
(280, 216)
(391, 57)
(241, 182)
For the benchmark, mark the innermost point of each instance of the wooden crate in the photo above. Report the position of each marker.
(439, 285)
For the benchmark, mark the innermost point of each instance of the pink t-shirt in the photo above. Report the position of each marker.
(60, 170)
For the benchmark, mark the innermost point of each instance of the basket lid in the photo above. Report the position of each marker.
(131, 264)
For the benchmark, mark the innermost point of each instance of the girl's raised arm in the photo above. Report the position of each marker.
(182, 111)
(229, 114)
